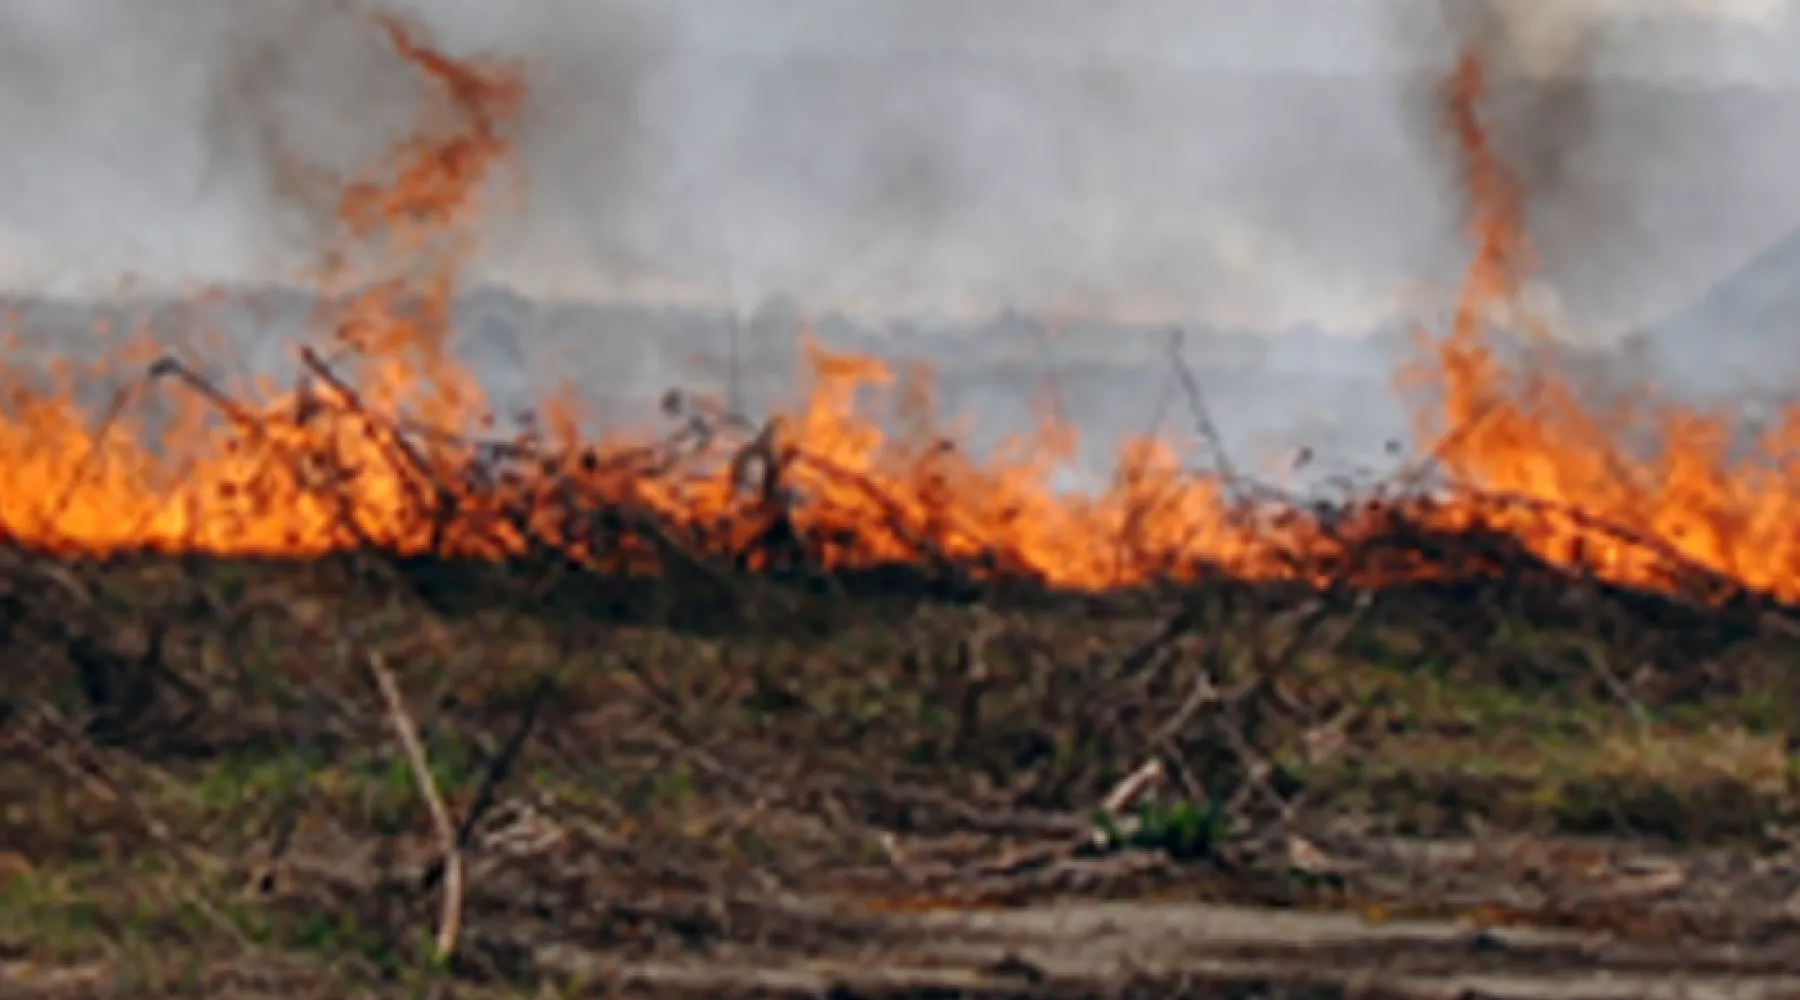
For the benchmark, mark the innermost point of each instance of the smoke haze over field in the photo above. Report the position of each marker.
(1268, 167)
(1255, 165)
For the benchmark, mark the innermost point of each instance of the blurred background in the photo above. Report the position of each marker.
(1030, 194)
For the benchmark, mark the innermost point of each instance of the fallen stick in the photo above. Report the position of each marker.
(450, 920)
(1126, 793)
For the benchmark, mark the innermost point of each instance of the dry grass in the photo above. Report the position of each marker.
(198, 764)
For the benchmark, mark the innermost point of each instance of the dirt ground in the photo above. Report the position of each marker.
(1189, 949)
(212, 785)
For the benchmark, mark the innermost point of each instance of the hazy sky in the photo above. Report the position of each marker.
(1164, 157)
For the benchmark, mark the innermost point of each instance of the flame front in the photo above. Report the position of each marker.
(1657, 470)
(374, 447)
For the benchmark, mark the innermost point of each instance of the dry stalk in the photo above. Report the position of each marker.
(1133, 787)
(450, 920)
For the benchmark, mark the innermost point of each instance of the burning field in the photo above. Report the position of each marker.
(332, 685)
(379, 443)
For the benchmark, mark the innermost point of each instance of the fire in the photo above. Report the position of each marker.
(1524, 431)
(378, 444)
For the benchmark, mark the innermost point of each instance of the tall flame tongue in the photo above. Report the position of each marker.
(1553, 463)
(373, 448)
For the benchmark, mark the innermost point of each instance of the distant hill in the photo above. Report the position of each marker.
(1743, 334)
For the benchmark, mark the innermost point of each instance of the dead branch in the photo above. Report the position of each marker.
(450, 920)
(1201, 413)
(501, 763)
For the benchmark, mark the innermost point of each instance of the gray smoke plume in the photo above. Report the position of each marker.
(1195, 159)
(1543, 116)
(297, 94)
(1597, 161)
(1239, 165)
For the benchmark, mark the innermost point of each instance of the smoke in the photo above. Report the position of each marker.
(297, 94)
(1245, 164)
(1593, 159)
(866, 155)
(1263, 166)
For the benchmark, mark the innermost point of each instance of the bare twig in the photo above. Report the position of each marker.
(501, 763)
(1133, 787)
(450, 922)
(1202, 415)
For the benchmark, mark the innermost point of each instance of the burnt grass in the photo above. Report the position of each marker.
(203, 792)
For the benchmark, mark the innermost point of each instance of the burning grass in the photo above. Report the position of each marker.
(378, 445)
(666, 686)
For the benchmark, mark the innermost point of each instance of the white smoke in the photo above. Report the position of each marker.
(1259, 165)
(1190, 158)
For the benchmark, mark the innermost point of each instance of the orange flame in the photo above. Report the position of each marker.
(1532, 433)
(371, 449)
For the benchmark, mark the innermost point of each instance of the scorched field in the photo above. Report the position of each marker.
(330, 689)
